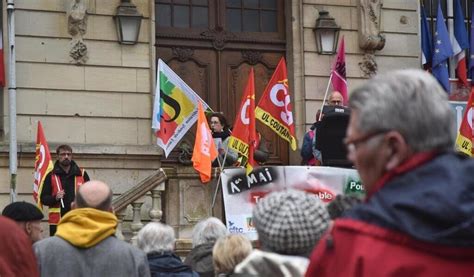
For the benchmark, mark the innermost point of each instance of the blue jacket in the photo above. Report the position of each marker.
(168, 264)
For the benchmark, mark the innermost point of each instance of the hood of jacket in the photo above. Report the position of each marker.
(86, 227)
(433, 202)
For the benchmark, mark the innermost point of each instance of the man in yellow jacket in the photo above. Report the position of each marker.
(85, 245)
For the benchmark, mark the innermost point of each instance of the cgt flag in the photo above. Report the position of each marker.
(174, 109)
(204, 148)
(465, 135)
(43, 164)
(274, 108)
(244, 135)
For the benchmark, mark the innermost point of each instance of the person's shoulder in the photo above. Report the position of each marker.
(46, 243)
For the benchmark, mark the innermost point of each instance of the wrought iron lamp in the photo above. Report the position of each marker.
(128, 21)
(327, 33)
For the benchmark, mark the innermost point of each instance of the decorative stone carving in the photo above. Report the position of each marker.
(218, 36)
(186, 153)
(77, 28)
(369, 25)
(368, 65)
(183, 54)
(252, 57)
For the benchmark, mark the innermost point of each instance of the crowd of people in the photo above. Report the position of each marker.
(417, 218)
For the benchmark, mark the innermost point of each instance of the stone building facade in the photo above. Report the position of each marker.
(100, 101)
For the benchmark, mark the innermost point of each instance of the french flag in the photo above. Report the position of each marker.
(460, 42)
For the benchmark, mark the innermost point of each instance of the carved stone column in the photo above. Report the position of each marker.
(370, 38)
(77, 28)
(137, 219)
(155, 211)
(120, 216)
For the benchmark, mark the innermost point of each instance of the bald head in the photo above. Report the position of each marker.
(94, 194)
(335, 98)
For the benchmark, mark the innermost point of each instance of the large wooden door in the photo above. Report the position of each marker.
(211, 45)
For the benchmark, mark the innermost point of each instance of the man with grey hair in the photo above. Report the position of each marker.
(205, 235)
(85, 245)
(157, 240)
(418, 216)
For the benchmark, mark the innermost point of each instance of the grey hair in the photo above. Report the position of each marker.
(156, 237)
(208, 231)
(410, 102)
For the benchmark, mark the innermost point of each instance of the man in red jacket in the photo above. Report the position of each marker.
(418, 216)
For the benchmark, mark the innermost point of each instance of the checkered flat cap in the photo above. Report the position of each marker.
(290, 222)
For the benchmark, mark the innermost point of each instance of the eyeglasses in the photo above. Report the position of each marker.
(352, 143)
(335, 102)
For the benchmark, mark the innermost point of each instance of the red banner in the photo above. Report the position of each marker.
(43, 164)
(465, 134)
(244, 135)
(274, 108)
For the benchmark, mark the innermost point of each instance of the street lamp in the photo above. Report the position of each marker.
(128, 21)
(327, 33)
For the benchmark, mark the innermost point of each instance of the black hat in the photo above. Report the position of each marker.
(22, 211)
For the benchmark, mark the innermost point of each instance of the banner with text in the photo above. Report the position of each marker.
(241, 192)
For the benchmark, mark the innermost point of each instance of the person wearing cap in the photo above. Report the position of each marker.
(60, 186)
(289, 223)
(28, 217)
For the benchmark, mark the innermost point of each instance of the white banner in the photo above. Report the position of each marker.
(242, 192)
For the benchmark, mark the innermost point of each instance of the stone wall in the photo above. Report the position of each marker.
(101, 107)
(399, 25)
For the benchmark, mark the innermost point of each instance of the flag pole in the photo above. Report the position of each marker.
(325, 96)
(221, 167)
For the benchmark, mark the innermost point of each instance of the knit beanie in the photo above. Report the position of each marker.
(290, 222)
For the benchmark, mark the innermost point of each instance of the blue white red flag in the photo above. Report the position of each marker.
(460, 42)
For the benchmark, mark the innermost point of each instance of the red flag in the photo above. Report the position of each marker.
(204, 148)
(465, 135)
(274, 108)
(244, 135)
(43, 164)
(338, 72)
(2, 62)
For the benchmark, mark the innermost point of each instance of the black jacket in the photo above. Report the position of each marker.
(67, 181)
(168, 264)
